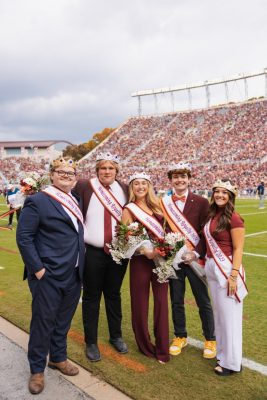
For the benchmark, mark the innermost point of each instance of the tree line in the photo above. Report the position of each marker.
(80, 150)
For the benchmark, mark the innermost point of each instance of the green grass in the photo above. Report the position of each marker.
(186, 376)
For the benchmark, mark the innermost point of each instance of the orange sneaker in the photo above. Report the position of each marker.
(210, 349)
(177, 345)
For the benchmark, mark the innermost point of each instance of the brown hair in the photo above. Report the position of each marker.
(178, 171)
(224, 221)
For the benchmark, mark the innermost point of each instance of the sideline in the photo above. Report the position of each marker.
(256, 213)
(256, 233)
(246, 362)
(255, 255)
(85, 381)
(92, 386)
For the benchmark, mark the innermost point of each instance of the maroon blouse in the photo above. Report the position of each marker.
(223, 238)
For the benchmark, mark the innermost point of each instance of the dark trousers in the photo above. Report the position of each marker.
(53, 305)
(200, 291)
(12, 215)
(101, 275)
(141, 276)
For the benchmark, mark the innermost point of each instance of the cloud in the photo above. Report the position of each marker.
(68, 67)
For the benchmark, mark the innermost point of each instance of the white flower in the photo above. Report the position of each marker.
(29, 181)
(173, 237)
(133, 226)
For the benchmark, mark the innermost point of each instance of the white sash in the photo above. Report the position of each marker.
(107, 199)
(66, 200)
(225, 266)
(147, 220)
(179, 220)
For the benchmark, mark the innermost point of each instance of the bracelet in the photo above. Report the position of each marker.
(235, 269)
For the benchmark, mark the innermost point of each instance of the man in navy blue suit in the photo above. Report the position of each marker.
(50, 240)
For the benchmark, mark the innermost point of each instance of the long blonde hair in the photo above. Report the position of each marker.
(151, 199)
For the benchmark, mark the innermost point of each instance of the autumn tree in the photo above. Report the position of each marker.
(80, 150)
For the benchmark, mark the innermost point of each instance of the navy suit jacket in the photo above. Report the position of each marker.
(47, 237)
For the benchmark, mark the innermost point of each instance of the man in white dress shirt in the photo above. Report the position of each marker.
(103, 199)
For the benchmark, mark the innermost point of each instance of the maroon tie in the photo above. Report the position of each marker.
(107, 227)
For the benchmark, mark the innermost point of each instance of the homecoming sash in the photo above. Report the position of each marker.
(147, 220)
(66, 200)
(107, 199)
(178, 222)
(224, 265)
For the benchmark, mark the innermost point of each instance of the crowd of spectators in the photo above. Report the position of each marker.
(223, 141)
(12, 168)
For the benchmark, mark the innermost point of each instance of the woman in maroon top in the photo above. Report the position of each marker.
(141, 193)
(224, 233)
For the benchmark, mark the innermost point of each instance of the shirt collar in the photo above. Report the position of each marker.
(184, 194)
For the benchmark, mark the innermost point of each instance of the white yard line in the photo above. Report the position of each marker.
(254, 366)
(255, 255)
(256, 233)
(246, 205)
(256, 213)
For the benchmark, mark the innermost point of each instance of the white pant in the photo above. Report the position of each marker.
(228, 321)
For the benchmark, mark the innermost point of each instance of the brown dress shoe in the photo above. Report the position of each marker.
(36, 383)
(65, 367)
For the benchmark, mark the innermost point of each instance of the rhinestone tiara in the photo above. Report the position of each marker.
(107, 157)
(140, 175)
(181, 166)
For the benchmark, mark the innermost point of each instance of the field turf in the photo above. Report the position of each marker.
(187, 376)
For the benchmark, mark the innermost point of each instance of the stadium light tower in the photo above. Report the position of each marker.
(206, 85)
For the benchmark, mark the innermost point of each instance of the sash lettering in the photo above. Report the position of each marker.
(224, 265)
(178, 220)
(147, 220)
(107, 199)
(66, 200)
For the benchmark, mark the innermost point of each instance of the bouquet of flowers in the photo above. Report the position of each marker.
(166, 250)
(198, 269)
(33, 183)
(128, 239)
(29, 185)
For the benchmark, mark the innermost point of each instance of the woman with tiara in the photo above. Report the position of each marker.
(225, 233)
(143, 207)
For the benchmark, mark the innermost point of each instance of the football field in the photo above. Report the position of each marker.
(187, 376)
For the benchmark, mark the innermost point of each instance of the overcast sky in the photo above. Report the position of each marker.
(68, 67)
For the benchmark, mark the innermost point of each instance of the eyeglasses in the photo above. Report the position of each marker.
(64, 173)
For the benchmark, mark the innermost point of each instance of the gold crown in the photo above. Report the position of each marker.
(63, 162)
(226, 185)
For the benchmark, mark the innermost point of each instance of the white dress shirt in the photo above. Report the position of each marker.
(94, 221)
(180, 204)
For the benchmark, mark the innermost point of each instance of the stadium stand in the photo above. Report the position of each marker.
(222, 141)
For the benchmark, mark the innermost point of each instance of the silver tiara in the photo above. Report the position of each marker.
(181, 166)
(107, 157)
(140, 175)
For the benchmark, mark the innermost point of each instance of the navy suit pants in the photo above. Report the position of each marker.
(53, 305)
